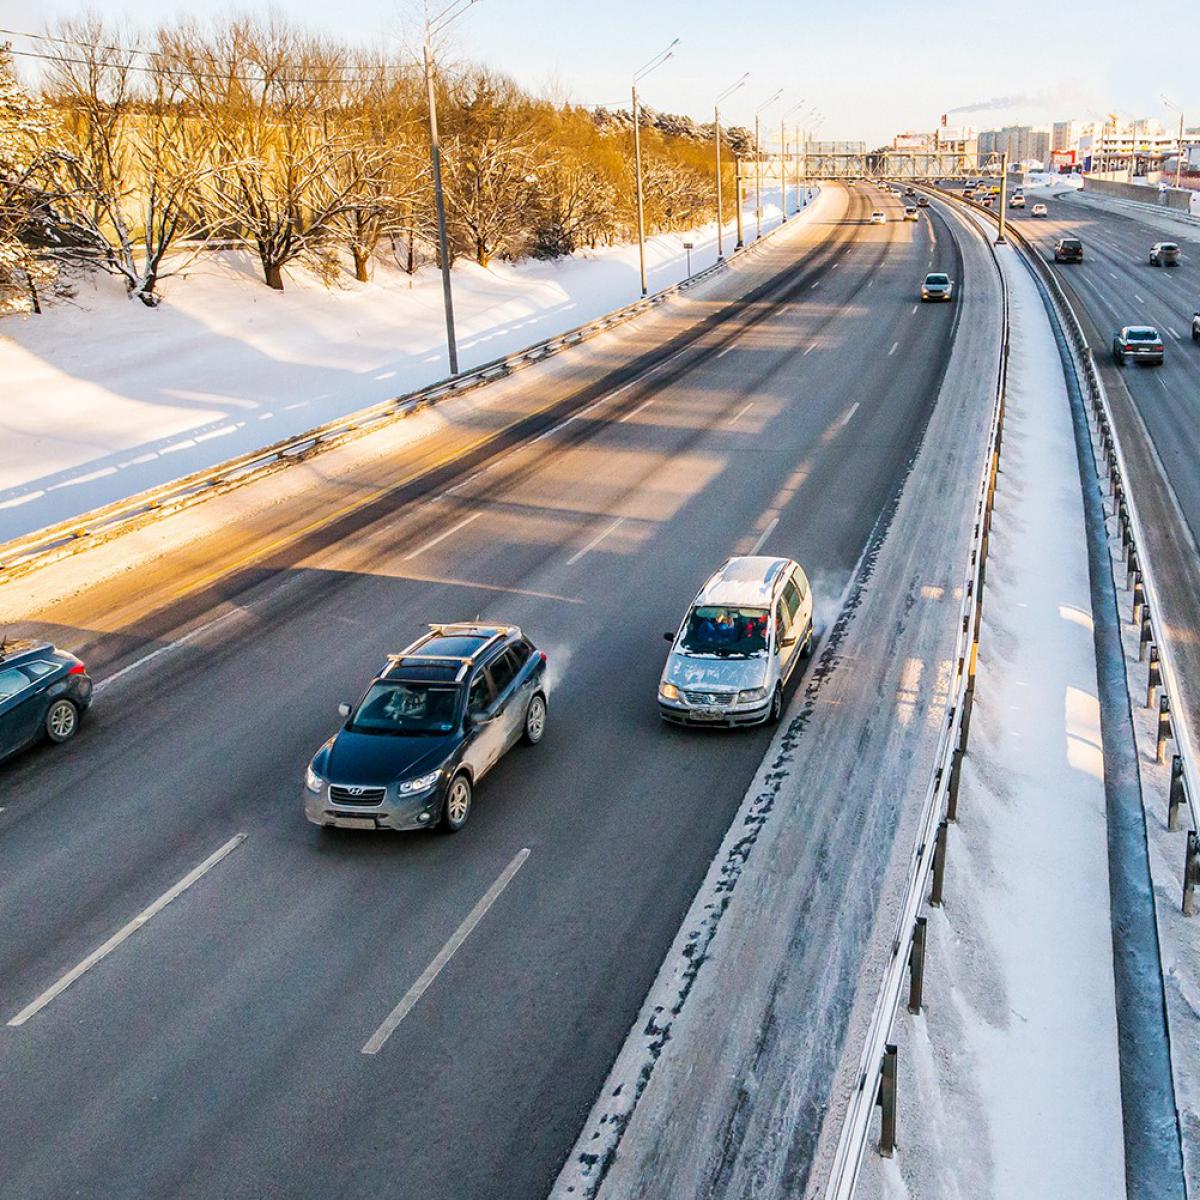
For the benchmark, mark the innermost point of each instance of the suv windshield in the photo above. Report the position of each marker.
(726, 632)
(1069, 244)
(406, 708)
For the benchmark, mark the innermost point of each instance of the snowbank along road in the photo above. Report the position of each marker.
(217, 1050)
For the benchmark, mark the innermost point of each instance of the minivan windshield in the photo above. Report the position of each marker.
(726, 632)
(406, 709)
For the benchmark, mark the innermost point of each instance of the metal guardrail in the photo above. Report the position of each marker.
(1133, 538)
(72, 535)
(876, 1074)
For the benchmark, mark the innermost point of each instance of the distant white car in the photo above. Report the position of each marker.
(1018, 201)
(1038, 210)
(910, 213)
(878, 217)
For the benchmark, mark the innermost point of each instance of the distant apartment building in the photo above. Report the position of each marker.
(1114, 145)
(1022, 143)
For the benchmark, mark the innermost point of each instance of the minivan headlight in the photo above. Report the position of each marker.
(668, 691)
(313, 781)
(421, 784)
(751, 695)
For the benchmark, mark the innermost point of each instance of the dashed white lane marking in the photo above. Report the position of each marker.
(762, 537)
(741, 413)
(870, 282)
(722, 353)
(817, 284)
(444, 955)
(594, 542)
(809, 350)
(441, 537)
(895, 347)
(634, 412)
(845, 419)
(128, 930)
(1173, 333)
(914, 310)
(835, 266)
(1138, 298)
(147, 658)
(1112, 275)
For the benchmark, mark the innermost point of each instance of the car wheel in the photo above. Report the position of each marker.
(776, 706)
(457, 809)
(62, 720)
(535, 721)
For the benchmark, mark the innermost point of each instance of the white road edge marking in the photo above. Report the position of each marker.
(441, 537)
(895, 347)
(594, 542)
(762, 537)
(445, 954)
(128, 930)
(741, 413)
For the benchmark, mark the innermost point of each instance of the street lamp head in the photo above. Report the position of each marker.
(767, 103)
(733, 87)
(657, 61)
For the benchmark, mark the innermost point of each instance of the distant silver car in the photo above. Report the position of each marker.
(911, 214)
(743, 635)
(937, 286)
(1164, 254)
(879, 217)
(1039, 210)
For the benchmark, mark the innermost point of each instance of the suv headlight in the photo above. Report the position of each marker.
(313, 781)
(750, 695)
(421, 784)
(668, 691)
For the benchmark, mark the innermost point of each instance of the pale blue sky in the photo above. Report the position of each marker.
(873, 68)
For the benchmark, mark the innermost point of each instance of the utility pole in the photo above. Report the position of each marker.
(741, 240)
(783, 158)
(1179, 154)
(434, 26)
(1003, 196)
(717, 138)
(657, 61)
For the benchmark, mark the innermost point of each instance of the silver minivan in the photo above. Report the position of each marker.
(743, 635)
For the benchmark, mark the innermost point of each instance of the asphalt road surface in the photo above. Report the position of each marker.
(218, 1051)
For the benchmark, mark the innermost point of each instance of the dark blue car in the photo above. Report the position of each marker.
(434, 721)
(43, 693)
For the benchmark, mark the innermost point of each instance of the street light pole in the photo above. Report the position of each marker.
(717, 136)
(657, 61)
(758, 166)
(1179, 144)
(783, 158)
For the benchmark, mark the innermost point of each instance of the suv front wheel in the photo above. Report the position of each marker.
(62, 720)
(457, 810)
(535, 721)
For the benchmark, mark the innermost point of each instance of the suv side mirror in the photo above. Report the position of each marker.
(343, 709)
(669, 636)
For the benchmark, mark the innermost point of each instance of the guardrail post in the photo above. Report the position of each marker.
(1132, 567)
(1153, 678)
(1139, 597)
(1147, 633)
(1176, 794)
(1191, 873)
(939, 863)
(1164, 728)
(886, 1099)
(916, 967)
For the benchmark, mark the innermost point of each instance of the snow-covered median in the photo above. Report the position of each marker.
(105, 398)
(1009, 1080)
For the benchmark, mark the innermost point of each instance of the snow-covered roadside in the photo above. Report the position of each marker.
(105, 398)
(1009, 1079)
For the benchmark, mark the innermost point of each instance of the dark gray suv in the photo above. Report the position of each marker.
(430, 726)
(43, 693)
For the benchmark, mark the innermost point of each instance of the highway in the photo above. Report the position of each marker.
(218, 1052)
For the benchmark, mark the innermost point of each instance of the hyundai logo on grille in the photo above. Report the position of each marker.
(355, 791)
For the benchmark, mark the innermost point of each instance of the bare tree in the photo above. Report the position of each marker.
(127, 162)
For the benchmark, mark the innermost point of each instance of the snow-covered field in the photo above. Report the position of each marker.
(1009, 1080)
(103, 398)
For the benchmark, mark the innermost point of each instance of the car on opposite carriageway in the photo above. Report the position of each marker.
(44, 692)
(1165, 254)
(430, 726)
(738, 645)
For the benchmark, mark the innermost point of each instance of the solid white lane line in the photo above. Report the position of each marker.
(594, 542)
(183, 641)
(444, 955)
(441, 537)
(634, 412)
(848, 414)
(762, 537)
(740, 414)
(128, 930)
(895, 347)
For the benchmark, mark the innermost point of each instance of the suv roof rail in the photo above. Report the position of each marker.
(465, 661)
